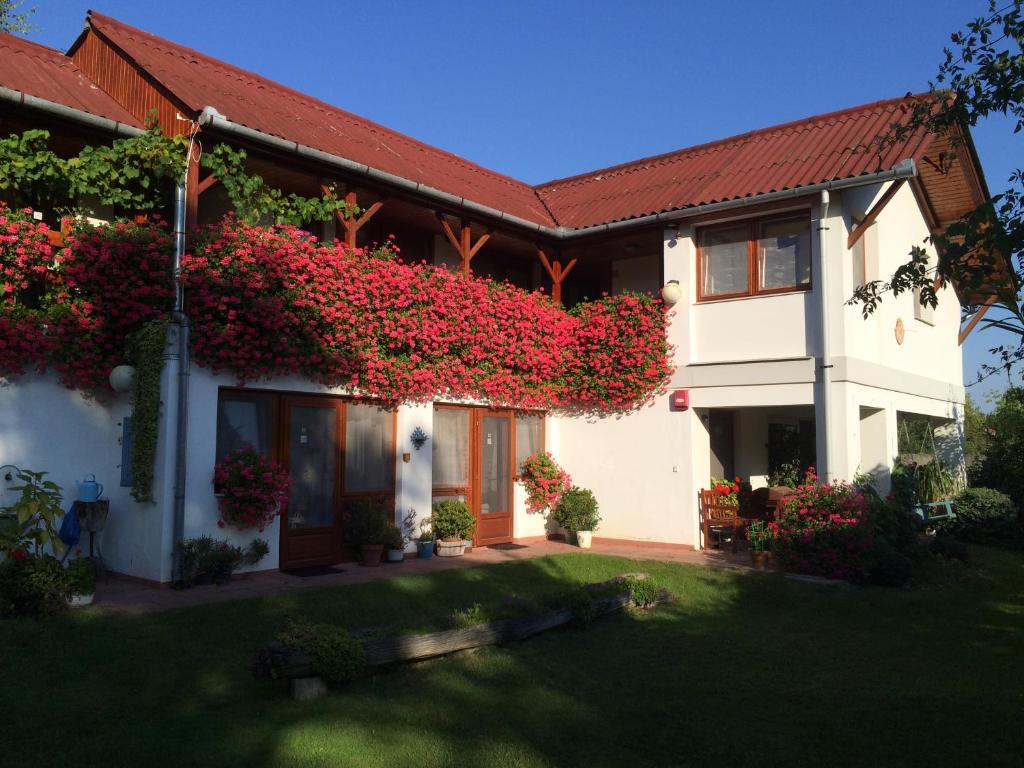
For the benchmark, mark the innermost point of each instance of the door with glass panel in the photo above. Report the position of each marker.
(473, 461)
(311, 443)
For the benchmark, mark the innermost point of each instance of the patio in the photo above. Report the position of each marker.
(136, 597)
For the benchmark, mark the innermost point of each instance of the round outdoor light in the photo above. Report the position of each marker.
(121, 378)
(671, 292)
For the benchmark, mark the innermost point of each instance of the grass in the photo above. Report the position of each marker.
(741, 670)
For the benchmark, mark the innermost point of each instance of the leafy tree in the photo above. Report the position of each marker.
(1002, 466)
(976, 430)
(14, 21)
(982, 75)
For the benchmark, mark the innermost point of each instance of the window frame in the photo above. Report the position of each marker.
(753, 226)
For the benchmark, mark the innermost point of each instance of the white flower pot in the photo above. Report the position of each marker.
(80, 600)
(583, 539)
(396, 555)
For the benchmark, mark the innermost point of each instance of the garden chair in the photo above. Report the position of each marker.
(717, 516)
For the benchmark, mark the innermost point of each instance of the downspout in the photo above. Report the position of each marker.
(826, 344)
(181, 428)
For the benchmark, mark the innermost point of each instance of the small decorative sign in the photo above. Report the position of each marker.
(900, 331)
(418, 438)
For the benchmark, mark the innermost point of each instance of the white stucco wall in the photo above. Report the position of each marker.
(46, 427)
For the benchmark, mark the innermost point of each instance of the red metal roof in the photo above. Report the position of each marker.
(796, 154)
(800, 153)
(48, 74)
(246, 98)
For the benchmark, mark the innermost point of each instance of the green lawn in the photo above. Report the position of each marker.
(742, 670)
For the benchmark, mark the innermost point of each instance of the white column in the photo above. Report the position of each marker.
(414, 478)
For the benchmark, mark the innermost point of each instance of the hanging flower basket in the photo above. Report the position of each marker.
(250, 489)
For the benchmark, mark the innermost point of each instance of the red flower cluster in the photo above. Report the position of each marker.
(76, 308)
(270, 301)
(544, 481)
(251, 489)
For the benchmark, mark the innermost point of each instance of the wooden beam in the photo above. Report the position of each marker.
(192, 192)
(205, 184)
(556, 272)
(976, 319)
(351, 225)
(876, 209)
(463, 243)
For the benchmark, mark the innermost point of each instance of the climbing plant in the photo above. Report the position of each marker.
(148, 356)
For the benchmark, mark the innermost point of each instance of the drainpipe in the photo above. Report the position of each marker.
(181, 427)
(825, 395)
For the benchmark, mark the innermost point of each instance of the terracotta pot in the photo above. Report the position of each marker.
(370, 554)
(763, 560)
(455, 548)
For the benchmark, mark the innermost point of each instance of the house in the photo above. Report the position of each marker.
(762, 237)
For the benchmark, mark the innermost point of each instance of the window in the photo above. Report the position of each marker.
(369, 455)
(244, 419)
(923, 312)
(859, 258)
(529, 436)
(756, 257)
(450, 448)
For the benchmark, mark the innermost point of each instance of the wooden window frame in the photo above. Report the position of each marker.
(753, 227)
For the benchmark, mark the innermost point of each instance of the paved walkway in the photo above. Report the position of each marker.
(135, 597)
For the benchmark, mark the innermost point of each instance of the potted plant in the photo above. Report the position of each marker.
(578, 514)
(760, 536)
(224, 558)
(197, 561)
(394, 544)
(425, 540)
(369, 530)
(82, 577)
(453, 524)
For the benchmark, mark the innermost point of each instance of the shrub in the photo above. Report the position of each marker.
(825, 530)
(643, 593)
(452, 520)
(252, 489)
(336, 656)
(544, 481)
(895, 524)
(206, 556)
(33, 521)
(368, 519)
(256, 551)
(760, 536)
(82, 576)
(33, 586)
(985, 516)
(891, 568)
(577, 510)
(393, 538)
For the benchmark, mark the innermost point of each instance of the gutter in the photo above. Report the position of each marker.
(211, 118)
(68, 113)
(826, 344)
(181, 426)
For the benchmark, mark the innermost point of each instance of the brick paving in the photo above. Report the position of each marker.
(131, 596)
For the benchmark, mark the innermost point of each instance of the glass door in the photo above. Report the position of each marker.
(493, 478)
(311, 520)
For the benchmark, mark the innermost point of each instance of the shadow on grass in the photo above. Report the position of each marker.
(742, 669)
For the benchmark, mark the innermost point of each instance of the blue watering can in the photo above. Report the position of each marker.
(89, 489)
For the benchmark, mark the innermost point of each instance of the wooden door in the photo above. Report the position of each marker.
(311, 521)
(493, 476)
(473, 462)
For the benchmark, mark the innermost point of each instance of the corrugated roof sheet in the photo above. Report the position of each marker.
(800, 153)
(48, 74)
(796, 154)
(251, 100)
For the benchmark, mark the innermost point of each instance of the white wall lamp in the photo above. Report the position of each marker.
(671, 292)
(121, 378)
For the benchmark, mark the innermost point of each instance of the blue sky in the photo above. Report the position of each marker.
(541, 90)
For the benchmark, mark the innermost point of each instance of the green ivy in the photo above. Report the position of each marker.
(148, 355)
(136, 175)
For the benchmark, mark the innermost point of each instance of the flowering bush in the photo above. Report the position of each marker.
(728, 491)
(825, 529)
(25, 259)
(544, 481)
(251, 489)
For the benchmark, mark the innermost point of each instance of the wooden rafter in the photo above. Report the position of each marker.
(869, 219)
(556, 272)
(352, 225)
(206, 183)
(463, 243)
(976, 319)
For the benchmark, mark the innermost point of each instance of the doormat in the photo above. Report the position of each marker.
(314, 570)
(506, 546)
